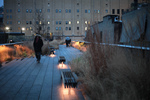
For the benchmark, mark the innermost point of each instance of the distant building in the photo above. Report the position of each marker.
(60, 17)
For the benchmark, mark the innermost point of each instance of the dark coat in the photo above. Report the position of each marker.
(38, 45)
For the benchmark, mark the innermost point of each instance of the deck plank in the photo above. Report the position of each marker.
(29, 80)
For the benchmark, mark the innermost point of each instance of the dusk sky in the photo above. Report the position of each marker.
(1, 3)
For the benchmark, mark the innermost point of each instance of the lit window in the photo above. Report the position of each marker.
(48, 22)
(77, 10)
(89, 11)
(40, 22)
(19, 22)
(59, 10)
(69, 22)
(98, 11)
(30, 28)
(85, 11)
(85, 28)
(56, 10)
(77, 22)
(19, 28)
(27, 28)
(89, 22)
(48, 10)
(86, 22)
(27, 10)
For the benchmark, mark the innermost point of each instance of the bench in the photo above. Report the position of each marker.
(69, 79)
(61, 59)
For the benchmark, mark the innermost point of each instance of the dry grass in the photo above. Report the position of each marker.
(108, 73)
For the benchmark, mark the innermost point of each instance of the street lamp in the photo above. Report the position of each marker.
(7, 28)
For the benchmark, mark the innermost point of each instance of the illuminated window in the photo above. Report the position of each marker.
(30, 28)
(85, 28)
(77, 22)
(48, 22)
(27, 28)
(89, 22)
(40, 22)
(19, 28)
(69, 22)
(86, 22)
(98, 11)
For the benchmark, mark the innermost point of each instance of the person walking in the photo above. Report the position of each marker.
(37, 44)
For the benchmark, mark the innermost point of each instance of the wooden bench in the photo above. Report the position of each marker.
(61, 59)
(69, 79)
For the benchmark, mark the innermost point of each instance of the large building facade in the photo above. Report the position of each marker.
(68, 17)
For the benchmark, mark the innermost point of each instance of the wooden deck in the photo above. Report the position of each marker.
(28, 80)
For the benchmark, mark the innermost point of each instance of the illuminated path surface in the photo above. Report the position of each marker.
(28, 80)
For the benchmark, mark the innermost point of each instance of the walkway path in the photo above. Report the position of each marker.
(28, 80)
